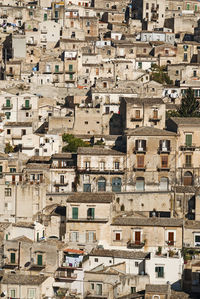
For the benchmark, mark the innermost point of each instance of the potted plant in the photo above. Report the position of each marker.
(159, 251)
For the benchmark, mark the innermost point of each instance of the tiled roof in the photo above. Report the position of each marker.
(154, 221)
(20, 279)
(146, 101)
(186, 120)
(126, 254)
(91, 197)
(148, 131)
(157, 288)
(18, 124)
(98, 151)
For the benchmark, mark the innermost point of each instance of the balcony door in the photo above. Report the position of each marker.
(137, 238)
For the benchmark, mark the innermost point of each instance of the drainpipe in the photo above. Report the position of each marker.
(19, 248)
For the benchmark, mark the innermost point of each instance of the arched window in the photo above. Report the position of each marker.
(164, 184)
(188, 179)
(140, 184)
(101, 184)
(116, 184)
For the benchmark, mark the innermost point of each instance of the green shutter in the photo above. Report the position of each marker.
(195, 7)
(12, 258)
(74, 213)
(27, 103)
(1, 168)
(39, 260)
(71, 76)
(92, 213)
(188, 6)
(70, 67)
(45, 17)
(7, 103)
(37, 237)
(56, 68)
(188, 139)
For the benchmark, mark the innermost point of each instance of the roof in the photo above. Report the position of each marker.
(185, 121)
(18, 124)
(76, 251)
(24, 224)
(91, 197)
(154, 221)
(39, 159)
(98, 151)
(125, 254)
(148, 131)
(4, 225)
(20, 279)
(145, 101)
(157, 288)
(192, 224)
(62, 156)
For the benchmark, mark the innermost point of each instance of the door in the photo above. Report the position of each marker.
(164, 184)
(171, 238)
(101, 184)
(39, 260)
(137, 238)
(188, 179)
(116, 184)
(86, 187)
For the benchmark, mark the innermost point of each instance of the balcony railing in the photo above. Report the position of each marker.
(98, 170)
(170, 243)
(165, 150)
(62, 276)
(6, 107)
(135, 245)
(163, 168)
(136, 119)
(139, 168)
(188, 165)
(140, 150)
(186, 147)
(154, 119)
(26, 107)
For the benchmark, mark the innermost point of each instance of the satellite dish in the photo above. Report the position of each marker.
(27, 264)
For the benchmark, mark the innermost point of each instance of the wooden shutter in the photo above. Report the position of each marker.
(117, 236)
(140, 161)
(137, 237)
(144, 145)
(171, 238)
(168, 144)
(136, 145)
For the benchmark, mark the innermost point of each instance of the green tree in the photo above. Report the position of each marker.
(73, 143)
(160, 75)
(189, 105)
(8, 148)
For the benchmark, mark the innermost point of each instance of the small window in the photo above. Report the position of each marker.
(8, 131)
(136, 264)
(116, 165)
(96, 260)
(159, 272)
(12, 258)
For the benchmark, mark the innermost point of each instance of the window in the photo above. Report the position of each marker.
(7, 102)
(70, 76)
(86, 187)
(159, 272)
(139, 65)
(90, 213)
(1, 169)
(39, 260)
(45, 17)
(136, 264)
(56, 68)
(188, 160)
(177, 72)
(99, 289)
(102, 166)
(194, 73)
(92, 286)
(188, 179)
(8, 191)
(185, 57)
(164, 161)
(74, 236)
(23, 132)
(74, 212)
(104, 84)
(155, 114)
(31, 293)
(164, 145)
(139, 184)
(116, 165)
(117, 236)
(8, 131)
(13, 293)
(140, 145)
(195, 7)
(101, 184)
(188, 139)
(87, 165)
(137, 113)
(12, 257)
(140, 161)
(90, 236)
(70, 67)
(62, 179)
(197, 240)
(171, 238)
(133, 290)
(164, 184)
(108, 52)
(147, 5)
(116, 184)
(7, 114)
(87, 24)
(137, 237)
(12, 169)
(188, 6)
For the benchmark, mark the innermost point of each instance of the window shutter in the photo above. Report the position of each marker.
(188, 139)
(92, 213)
(75, 213)
(168, 144)
(144, 145)
(161, 143)
(136, 145)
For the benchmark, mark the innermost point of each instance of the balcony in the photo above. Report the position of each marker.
(97, 170)
(186, 147)
(36, 267)
(70, 72)
(26, 107)
(4, 16)
(163, 168)
(154, 9)
(154, 119)
(135, 245)
(8, 265)
(140, 150)
(170, 243)
(154, 17)
(64, 276)
(43, 40)
(136, 119)
(60, 184)
(44, 31)
(188, 165)
(6, 107)
(10, 74)
(139, 168)
(164, 150)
